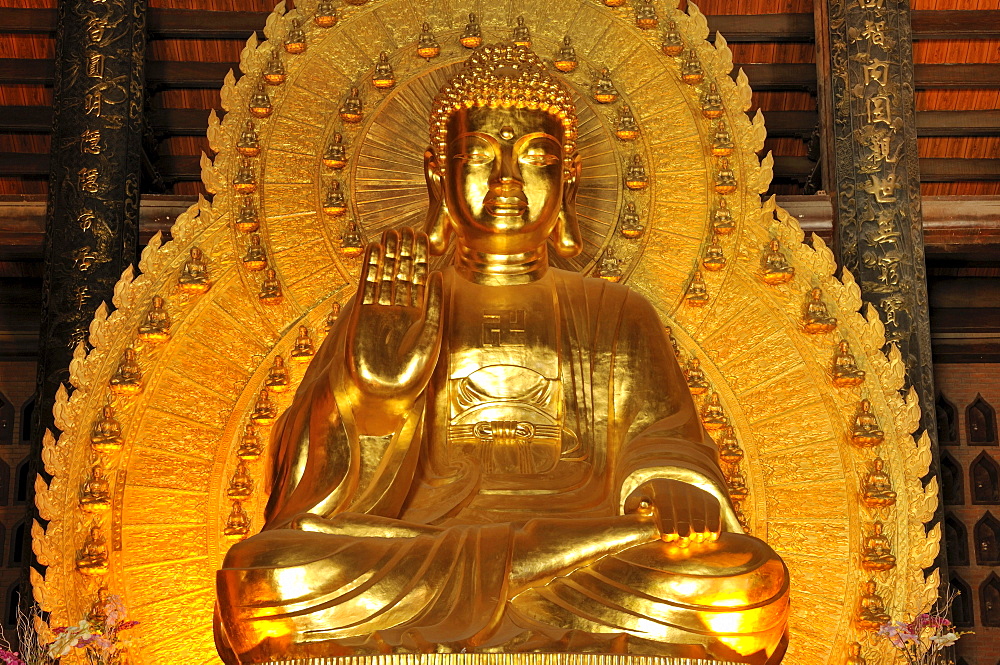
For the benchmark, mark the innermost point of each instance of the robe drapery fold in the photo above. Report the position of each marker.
(408, 542)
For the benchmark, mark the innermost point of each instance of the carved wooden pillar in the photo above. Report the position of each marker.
(871, 170)
(92, 225)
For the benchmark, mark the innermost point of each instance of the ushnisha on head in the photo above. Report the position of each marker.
(502, 167)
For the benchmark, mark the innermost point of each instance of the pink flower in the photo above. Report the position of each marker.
(899, 634)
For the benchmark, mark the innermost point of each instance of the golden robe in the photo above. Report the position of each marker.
(492, 520)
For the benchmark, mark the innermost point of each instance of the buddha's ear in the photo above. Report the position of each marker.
(566, 235)
(438, 224)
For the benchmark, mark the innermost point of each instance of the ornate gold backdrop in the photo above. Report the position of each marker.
(168, 507)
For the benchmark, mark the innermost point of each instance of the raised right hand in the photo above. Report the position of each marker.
(394, 331)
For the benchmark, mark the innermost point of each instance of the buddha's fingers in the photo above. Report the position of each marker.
(404, 269)
(430, 335)
(387, 272)
(369, 272)
(420, 252)
(713, 523)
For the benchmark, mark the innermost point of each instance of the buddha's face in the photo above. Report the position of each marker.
(502, 178)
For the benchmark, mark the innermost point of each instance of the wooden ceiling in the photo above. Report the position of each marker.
(957, 104)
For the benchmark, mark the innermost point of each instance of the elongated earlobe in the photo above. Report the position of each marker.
(438, 224)
(566, 234)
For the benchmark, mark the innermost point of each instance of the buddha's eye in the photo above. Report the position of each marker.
(475, 158)
(538, 159)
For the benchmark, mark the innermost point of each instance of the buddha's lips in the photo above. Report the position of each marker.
(507, 208)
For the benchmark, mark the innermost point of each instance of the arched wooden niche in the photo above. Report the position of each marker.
(947, 421)
(989, 600)
(961, 610)
(6, 420)
(27, 418)
(981, 423)
(956, 541)
(987, 536)
(952, 489)
(985, 475)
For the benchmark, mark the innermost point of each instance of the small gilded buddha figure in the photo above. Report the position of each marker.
(427, 45)
(194, 275)
(331, 319)
(697, 291)
(238, 522)
(713, 417)
(270, 289)
(876, 554)
(127, 379)
(499, 456)
(383, 78)
(854, 656)
(264, 411)
(472, 36)
(627, 128)
(691, 70)
(722, 143)
(725, 178)
(871, 608)
(673, 342)
(250, 447)
(255, 259)
(845, 367)
(93, 557)
(876, 488)
(605, 91)
(645, 15)
(775, 266)
(335, 204)
(566, 60)
(246, 220)
(865, 431)
(714, 260)
(106, 434)
(248, 144)
(610, 267)
(335, 155)
(522, 34)
(351, 242)
(277, 377)
(672, 45)
(260, 104)
(695, 376)
(711, 103)
(815, 316)
(722, 218)
(274, 72)
(635, 175)
(738, 490)
(156, 326)
(245, 181)
(729, 446)
(295, 40)
(352, 110)
(303, 350)
(631, 225)
(241, 484)
(95, 495)
(326, 14)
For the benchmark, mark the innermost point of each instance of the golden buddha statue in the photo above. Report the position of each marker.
(673, 342)
(264, 412)
(691, 70)
(729, 446)
(255, 259)
(610, 267)
(645, 15)
(270, 289)
(775, 265)
(277, 377)
(845, 367)
(725, 178)
(672, 44)
(241, 484)
(295, 40)
(815, 317)
(635, 174)
(106, 434)
(331, 318)
(156, 327)
(697, 291)
(260, 103)
(248, 144)
(245, 181)
(127, 379)
(274, 73)
(695, 376)
(238, 522)
(876, 553)
(722, 143)
(876, 488)
(383, 78)
(335, 155)
(194, 275)
(627, 128)
(454, 494)
(737, 484)
(95, 495)
(250, 447)
(472, 36)
(335, 204)
(326, 14)
(871, 608)
(854, 656)
(427, 45)
(711, 103)
(722, 218)
(522, 34)
(246, 220)
(865, 431)
(631, 225)
(713, 417)
(351, 242)
(605, 91)
(352, 110)
(93, 557)
(714, 259)
(303, 350)
(566, 60)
